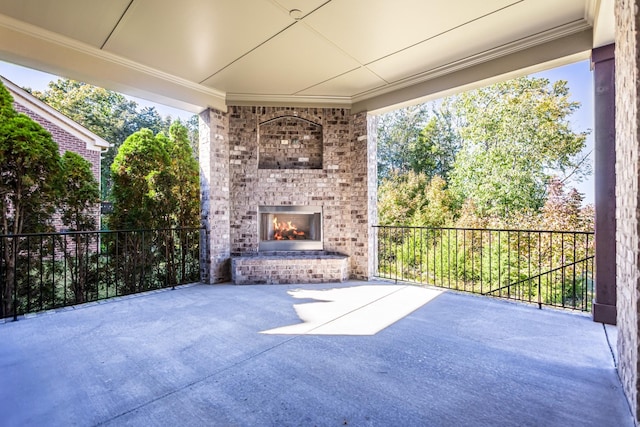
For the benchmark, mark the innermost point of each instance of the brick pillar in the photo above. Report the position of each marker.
(214, 195)
(627, 64)
(363, 196)
(603, 62)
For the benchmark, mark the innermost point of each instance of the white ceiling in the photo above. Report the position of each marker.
(361, 54)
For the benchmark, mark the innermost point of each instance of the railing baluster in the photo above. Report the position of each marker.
(509, 263)
(15, 278)
(529, 260)
(464, 259)
(499, 261)
(412, 247)
(53, 272)
(41, 271)
(64, 266)
(449, 258)
(481, 265)
(28, 271)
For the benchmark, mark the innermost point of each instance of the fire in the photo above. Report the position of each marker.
(286, 231)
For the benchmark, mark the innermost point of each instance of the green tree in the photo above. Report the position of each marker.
(29, 167)
(156, 186)
(435, 149)
(414, 199)
(141, 182)
(156, 181)
(105, 113)
(398, 134)
(108, 114)
(422, 138)
(186, 177)
(141, 176)
(80, 193)
(514, 135)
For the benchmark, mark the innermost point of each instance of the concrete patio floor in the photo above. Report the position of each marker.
(377, 354)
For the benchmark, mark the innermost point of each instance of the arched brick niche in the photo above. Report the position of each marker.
(289, 142)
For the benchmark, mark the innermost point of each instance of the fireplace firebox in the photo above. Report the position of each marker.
(290, 228)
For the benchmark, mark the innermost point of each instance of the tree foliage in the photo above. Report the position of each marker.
(434, 152)
(139, 181)
(108, 114)
(497, 149)
(514, 136)
(398, 132)
(414, 199)
(155, 181)
(80, 193)
(35, 181)
(30, 167)
(186, 177)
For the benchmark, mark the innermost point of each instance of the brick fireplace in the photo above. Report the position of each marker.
(288, 184)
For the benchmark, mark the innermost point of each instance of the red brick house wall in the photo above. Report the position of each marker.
(69, 135)
(66, 141)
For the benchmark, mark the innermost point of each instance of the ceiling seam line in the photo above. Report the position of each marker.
(261, 44)
(444, 32)
(116, 26)
(248, 52)
(335, 77)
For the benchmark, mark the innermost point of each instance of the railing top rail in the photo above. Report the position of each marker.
(65, 233)
(485, 229)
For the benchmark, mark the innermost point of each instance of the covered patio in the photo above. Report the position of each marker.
(197, 355)
(229, 355)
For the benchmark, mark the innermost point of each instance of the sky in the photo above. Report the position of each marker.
(578, 76)
(580, 82)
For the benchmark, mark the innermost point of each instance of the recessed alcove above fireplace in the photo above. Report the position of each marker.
(289, 142)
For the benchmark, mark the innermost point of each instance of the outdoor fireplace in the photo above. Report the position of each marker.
(290, 228)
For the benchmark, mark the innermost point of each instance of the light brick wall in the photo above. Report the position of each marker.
(341, 186)
(363, 194)
(214, 195)
(627, 195)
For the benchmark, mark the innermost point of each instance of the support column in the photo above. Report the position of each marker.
(363, 195)
(214, 196)
(603, 63)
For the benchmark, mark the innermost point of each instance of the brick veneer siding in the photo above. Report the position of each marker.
(364, 165)
(342, 187)
(67, 142)
(627, 195)
(214, 195)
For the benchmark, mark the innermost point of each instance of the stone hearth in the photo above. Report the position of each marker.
(288, 267)
(296, 158)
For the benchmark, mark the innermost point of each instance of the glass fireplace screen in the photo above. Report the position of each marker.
(290, 228)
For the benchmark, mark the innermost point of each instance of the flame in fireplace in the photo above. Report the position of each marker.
(286, 231)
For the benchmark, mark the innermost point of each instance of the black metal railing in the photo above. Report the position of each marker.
(51, 270)
(553, 268)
